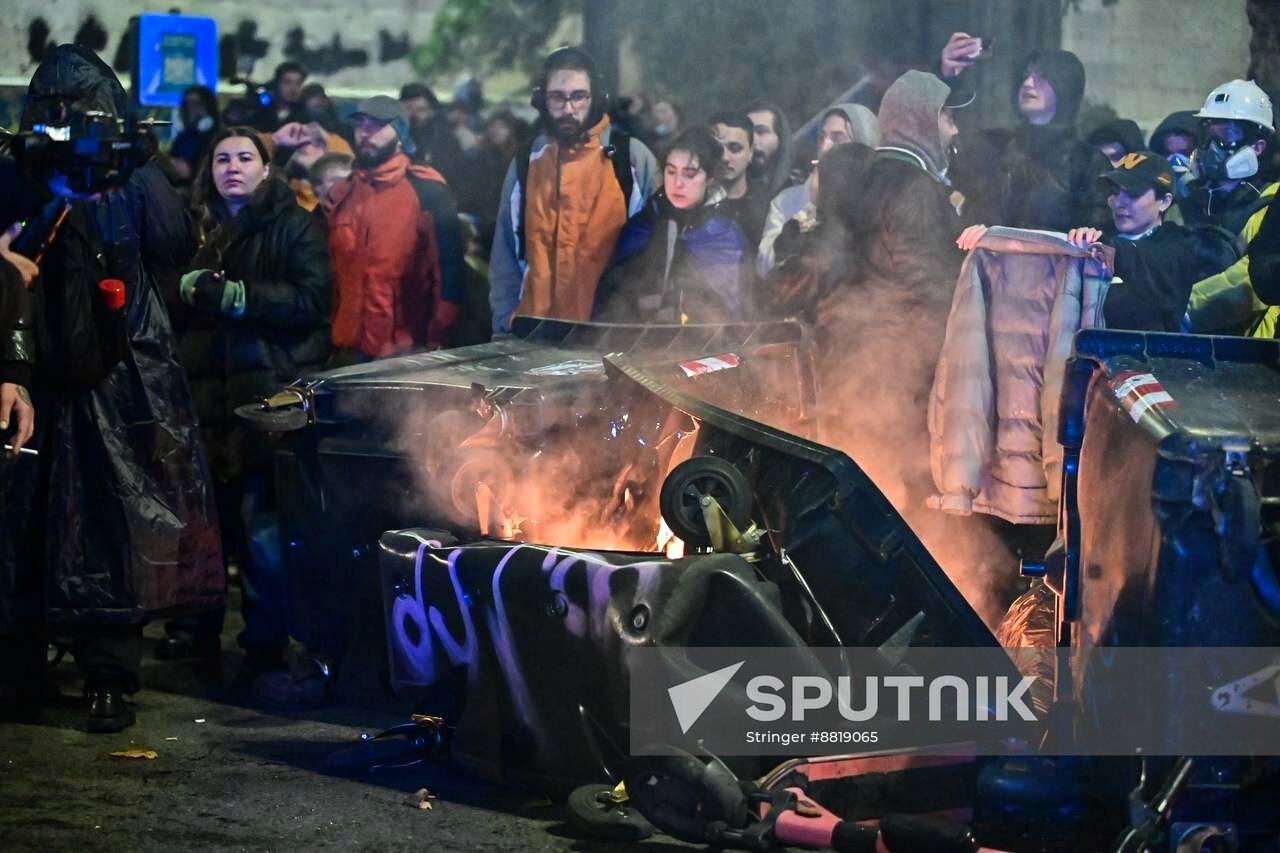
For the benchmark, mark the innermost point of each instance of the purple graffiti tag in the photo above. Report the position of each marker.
(420, 656)
(595, 609)
(504, 647)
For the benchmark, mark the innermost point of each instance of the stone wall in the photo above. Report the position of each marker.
(1148, 58)
(349, 44)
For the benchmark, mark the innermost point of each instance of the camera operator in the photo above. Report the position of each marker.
(113, 522)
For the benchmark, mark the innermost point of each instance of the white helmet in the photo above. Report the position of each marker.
(1239, 100)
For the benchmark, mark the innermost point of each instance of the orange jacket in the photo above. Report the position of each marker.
(574, 211)
(396, 252)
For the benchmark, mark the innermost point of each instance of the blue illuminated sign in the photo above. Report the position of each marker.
(175, 52)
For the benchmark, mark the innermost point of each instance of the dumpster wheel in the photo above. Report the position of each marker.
(695, 478)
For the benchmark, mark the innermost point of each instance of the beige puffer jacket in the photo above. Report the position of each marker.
(993, 415)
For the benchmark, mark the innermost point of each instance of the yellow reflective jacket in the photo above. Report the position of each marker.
(1226, 303)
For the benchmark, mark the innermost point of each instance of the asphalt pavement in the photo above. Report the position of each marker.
(228, 775)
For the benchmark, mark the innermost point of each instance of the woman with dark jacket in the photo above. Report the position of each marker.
(1155, 263)
(681, 259)
(254, 316)
(1045, 175)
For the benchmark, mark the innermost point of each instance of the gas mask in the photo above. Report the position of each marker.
(1216, 160)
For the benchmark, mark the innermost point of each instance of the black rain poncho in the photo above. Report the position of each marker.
(114, 521)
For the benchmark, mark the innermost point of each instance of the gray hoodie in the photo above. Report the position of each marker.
(909, 119)
(865, 128)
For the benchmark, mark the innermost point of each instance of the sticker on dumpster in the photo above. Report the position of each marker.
(1141, 392)
(710, 364)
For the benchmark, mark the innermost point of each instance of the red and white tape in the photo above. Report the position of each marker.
(1139, 393)
(710, 364)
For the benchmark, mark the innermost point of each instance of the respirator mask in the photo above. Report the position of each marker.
(1216, 160)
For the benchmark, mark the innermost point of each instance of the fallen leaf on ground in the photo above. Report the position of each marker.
(420, 799)
(148, 754)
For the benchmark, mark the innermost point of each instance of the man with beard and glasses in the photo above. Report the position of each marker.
(565, 198)
(395, 244)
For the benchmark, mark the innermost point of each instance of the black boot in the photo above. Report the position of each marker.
(108, 710)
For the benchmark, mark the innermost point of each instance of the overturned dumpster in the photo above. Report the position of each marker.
(713, 527)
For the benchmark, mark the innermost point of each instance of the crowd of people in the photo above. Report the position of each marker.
(272, 240)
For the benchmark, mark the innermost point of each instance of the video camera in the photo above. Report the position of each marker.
(94, 151)
(255, 108)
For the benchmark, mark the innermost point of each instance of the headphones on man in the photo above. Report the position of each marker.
(572, 56)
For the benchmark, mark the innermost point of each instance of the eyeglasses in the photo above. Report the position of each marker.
(559, 99)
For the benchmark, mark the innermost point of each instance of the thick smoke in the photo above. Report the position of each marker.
(584, 471)
(879, 346)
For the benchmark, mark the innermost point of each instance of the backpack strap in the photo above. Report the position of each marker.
(620, 145)
(619, 149)
(523, 155)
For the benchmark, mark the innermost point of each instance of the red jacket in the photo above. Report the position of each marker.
(396, 251)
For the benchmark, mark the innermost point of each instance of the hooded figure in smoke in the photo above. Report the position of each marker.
(114, 522)
(902, 272)
(905, 225)
(881, 330)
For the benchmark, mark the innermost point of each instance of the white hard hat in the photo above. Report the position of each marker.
(1239, 100)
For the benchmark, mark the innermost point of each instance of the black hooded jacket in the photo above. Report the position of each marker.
(1047, 174)
(114, 521)
(1183, 122)
(279, 251)
(1122, 130)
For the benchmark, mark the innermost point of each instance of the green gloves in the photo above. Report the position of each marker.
(209, 291)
